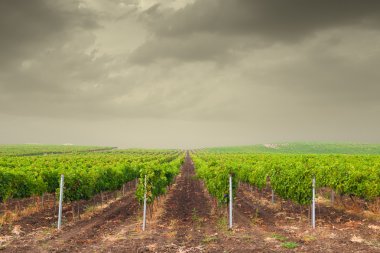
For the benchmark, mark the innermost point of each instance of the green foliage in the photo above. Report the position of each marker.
(279, 237)
(290, 176)
(289, 245)
(19, 184)
(86, 174)
(216, 176)
(159, 174)
(79, 184)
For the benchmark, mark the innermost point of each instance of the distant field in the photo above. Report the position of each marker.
(302, 148)
(41, 149)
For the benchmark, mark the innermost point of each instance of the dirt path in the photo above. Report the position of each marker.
(188, 222)
(182, 220)
(337, 230)
(76, 235)
(187, 208)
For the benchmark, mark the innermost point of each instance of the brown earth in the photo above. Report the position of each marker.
(188, 220)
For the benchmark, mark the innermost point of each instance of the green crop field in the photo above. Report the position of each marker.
(41, 149)
(347, 168)
(290, 175)
(86, 174)
(302, 148)
(195, 186)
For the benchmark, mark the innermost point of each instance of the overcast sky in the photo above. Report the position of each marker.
(189, 73)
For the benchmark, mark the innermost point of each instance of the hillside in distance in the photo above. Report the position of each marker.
(42, 149)
(302, 148)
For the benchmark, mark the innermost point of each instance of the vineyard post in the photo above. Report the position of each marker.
(60, 202)
(313, 206)
(230, 199)
(144, 214)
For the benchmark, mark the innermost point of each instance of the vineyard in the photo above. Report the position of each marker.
(290, 176)
(303, 148)
(86, 174)
(37, 149)
(187, 198)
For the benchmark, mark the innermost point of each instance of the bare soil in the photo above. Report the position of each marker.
(187, 219)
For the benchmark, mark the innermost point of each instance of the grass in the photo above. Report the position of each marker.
(222, 223)
(289, 245)
(285, 243)
(279, 237)
(209, 239)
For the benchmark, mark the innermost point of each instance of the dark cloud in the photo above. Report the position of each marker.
(34, 26)
(282, 20)
(241, 24)
(43, 57)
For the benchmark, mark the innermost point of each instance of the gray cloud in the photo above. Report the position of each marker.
(241, 24)
(199, 47)
(281, 20)
(31, 27)
(225, 72)
(44, 55)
